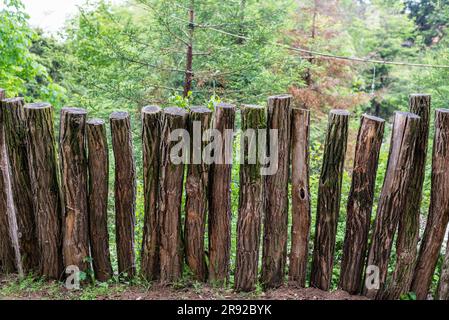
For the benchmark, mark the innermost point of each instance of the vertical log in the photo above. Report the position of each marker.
(220, 197)
(42, 157)
(438, 217)
(98, 164)
(196, 194)
(360, 203)
(275, 237)
(171, 178)
(151, 132)
(74, 187)
(16, 143)
(125, 192)
(301, 213)
(392, 199)
(408, 232)
(443, 286)
(251, 200)
(329, 195)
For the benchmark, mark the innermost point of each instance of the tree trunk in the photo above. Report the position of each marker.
(251, 201)
(301, 213)
(42, 159)
(151, 133)
(189, 54)
(98, 162)
(125, 192)
(438, 217)
(360, 203)
(443, 286)
(408, 232)
(220, 197)
(171, 179)
(392, 199)
(15, 137)
(196, 194)
(329, 194)
(274, 254)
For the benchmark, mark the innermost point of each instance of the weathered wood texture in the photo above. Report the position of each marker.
(73, 162)
(16, 146)
(42, 157)
(438, 217)
(251, 200)
(98, 168)
(171, 178)
(197, 184)
(443, 286)
(274, 253)
(408, 232)
(125, 192)
(360, 203)
(220, 197)
(393, 195)
(301, 207)
(329, 194)
(151, 131)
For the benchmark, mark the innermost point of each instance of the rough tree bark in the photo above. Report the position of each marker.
(408, 232)
(329, 194)
(274, 253)
(171, 179)
(196, 194)
(360, 203)
(443, 286)
(220, 197)
(42, 159)
(98, 165)
(301, 210)
(392, 199)
(251, 200)
(438, 217)
(125, 192)
(189, 55)
(151, 132)
(17, 154)
(73, 161)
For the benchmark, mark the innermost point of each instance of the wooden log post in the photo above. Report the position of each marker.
(360, 203)
(151, 133)
(438, 217)
(197, 184)
(443, 285)
(220, 197)
(42, 158)
(171, 178)
(251, 200)
(17, 154)
(125, 192)
(329, 194)
(301, 208)
(98, 167)
(408, 232)
(392, 201)
(73, 161)
(274, 253)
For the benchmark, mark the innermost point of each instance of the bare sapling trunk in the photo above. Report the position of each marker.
(98, 165)
(301, 208)
(220, 197)
(251, 200)
(73, 161)
(443, 285)
(329, 195)
(274, 254)
(125, 192)
(438, 217)
(360, 203)
(392, 201)
(42, 157)
(197, 185)
(151, 133)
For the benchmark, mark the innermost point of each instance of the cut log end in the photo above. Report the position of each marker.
(200, 110)
(37, 106)
(119, 115)
(151, 110)
(175, 112)
(73, 110)
(340, 112)
(95, 123)
(373, 118)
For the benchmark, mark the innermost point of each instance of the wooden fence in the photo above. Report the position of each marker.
(53, 205)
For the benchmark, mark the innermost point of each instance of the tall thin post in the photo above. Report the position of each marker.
(329, 194)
